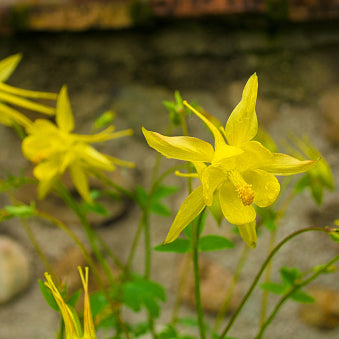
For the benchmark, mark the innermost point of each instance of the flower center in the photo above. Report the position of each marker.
(244, 190)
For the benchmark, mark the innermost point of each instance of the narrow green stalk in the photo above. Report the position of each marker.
(134, 246)
(290, 292)
(263, 267)
(91, 235)
(281, 212)
(265, 293)
(77, 241)
(148, 249)
(230, 290)
(123, 191)
(195, 255)
(182, 283)
(34, 241)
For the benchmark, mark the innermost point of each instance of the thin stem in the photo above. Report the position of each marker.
(268, 272)
(290, 292)
(196, 271)
(77, 241)
(273, 235)
(148, 249)
(156, 183)
(91, 235)
(134, 246)
(34, 241)
(36, 245)
(182, 283)
(263, 267)
(230, 290)
(114, 185)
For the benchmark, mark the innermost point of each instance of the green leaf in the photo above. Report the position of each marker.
(178, 245)
(317, 193)
(302, 297)
(73, 299)
(104, 120)
(273, 287)
(163, 191)
(48, 295)
(214, 243)
(96, 208)
(187, 321)
(98, 302)
(140, 292)
(160, 209)
(140, 329)
(21, 211)
(169, 332)
(141, 196)
(302, 183)
(334, 234)
(289, 275)
(268, 216)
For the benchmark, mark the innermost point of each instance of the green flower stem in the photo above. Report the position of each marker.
(281, 212)
(148, 249)
(134, 246)
(34, 241)
(109, 251)
(91, 235)
(263, 267)
(182, 283)
(230, 290)
(195, 255)
(77, 241)
(123, 191)
(290, 292)
(265, 293)
(155, 184)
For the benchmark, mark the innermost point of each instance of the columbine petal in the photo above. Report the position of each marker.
(89, 329)
(232, 207)
(47, 169)
(8, 65)
(283, 164)
(71, 321)
(254, 156)
(182, 148)
(242, 125)
(93, 158)
(190, 208)
(265, 185)
(80, 181)
(248, 234)
(33, 106)
(211, 178)
(64, 116)
(104, 135)
(45, 186)
(222, 150)
(8, 115)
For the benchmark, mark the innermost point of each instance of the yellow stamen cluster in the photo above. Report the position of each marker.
(244, 190)
(246, 194)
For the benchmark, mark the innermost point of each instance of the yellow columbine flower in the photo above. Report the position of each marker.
(239, 173)
(72, 325)
(54, 149)
(18, 97)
